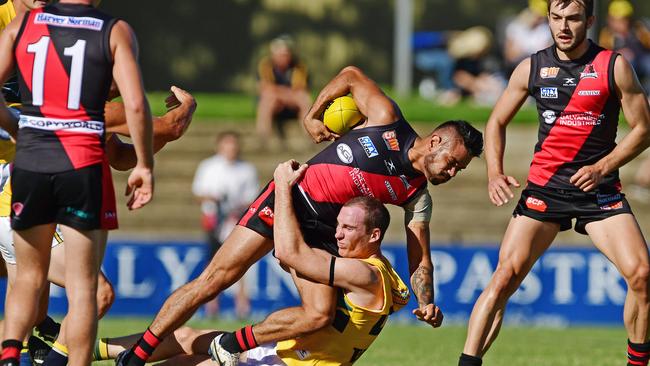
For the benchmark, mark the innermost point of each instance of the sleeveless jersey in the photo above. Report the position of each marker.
(353, 330)
(578, 114)
(64, 70)
(371, 161)
(7, 13)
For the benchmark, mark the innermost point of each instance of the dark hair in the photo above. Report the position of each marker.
(587, 4)
(377, 215)
(472, 138)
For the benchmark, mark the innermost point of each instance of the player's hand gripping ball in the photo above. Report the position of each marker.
(342, 115)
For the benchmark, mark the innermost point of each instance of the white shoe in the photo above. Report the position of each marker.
(220, 355)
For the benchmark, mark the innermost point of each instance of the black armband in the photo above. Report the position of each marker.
(332, 265)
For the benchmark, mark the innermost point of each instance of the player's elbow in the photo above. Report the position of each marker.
(285, 255)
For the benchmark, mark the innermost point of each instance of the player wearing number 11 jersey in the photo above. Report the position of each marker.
(66, 55)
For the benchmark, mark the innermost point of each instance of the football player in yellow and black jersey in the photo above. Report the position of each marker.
(369, 290)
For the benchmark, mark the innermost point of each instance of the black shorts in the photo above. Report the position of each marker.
(82, 199)
(316, 232)
(562, 206)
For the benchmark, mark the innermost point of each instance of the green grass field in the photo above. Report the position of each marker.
(408, 345)
(241, 107)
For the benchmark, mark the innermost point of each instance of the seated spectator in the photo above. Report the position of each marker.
(526, 34)
(473, 74)
(283, 89)
(629, 37)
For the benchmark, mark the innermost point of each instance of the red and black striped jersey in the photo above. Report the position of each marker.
(64, 65)
(371, 161)
(578, 114)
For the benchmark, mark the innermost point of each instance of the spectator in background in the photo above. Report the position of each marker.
(526, 34)
(629, 37)
(472, 73)
(283, 89)
(225, 187)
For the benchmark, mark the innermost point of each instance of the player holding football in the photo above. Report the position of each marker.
(579, 88)
(60, 173)
(368, 289)
(382, 158)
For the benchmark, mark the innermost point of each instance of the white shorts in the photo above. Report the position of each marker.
(263, 355)
(7, 240)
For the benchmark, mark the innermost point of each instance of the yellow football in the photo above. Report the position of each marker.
(342, 115)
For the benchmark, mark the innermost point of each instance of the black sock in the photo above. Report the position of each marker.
(638, 354)
(239, 341)
(11, 350)
(467, 360)
(48, 329)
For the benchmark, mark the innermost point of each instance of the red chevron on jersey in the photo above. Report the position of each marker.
(574, 125)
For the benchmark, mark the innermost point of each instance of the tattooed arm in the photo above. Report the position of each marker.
(421, 269)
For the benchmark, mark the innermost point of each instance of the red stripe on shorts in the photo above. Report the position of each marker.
(256, 205)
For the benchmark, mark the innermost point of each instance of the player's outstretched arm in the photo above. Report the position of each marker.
(180, 104)
(495, 133)
(290, 248)
(7, 65)
(128, 78)
(637, 112)
(369, 98)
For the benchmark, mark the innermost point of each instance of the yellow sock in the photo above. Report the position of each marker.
(101, 350)
(60, 348)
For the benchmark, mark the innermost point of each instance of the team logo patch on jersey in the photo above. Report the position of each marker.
(589, 73)
(266, 215)
(390, 166)
(549, 116)
(368, 146)
(569, 82)
(302, 354)
(390, 138)
(536, 204)
(548, 93)
(391, 191)
(17, 208)
(405, 182)
(588, 93)
(549, 72)
(69, 22)
(345, 153)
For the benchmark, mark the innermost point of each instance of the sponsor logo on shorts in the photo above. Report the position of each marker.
(69, 22)
(390, 166)
(84, 215)
(549, 117)
(569, 82)
(612, 206)
(588, 93)
(345, 153)
(368, 146)
(266, 215)
(360, 182)
(589, 73)
(391, 191)
(17, 208)
(608, 198)
(390, 138)
(536, 204)
(549, 72)
(549, 93)
(109, 215)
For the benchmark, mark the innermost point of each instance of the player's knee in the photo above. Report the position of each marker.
(503, 281)
(318, 318)
(637, 280)
(105, 297)
(185, 336)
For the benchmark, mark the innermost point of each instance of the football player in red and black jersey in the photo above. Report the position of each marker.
(579, 88)
(67, 55)
(382, 158)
